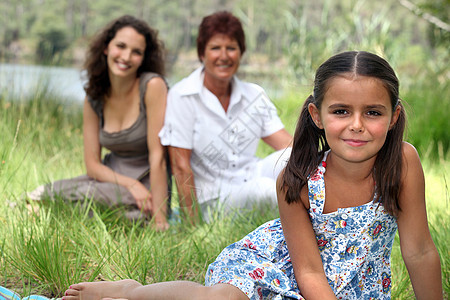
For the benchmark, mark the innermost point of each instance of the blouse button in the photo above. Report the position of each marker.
(344, 216)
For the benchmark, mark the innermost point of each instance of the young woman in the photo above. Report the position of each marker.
(350, 183)
(123, 112)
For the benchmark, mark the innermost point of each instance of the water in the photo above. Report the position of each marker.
(20, 81)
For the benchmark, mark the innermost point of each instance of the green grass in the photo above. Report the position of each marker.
(45, 247)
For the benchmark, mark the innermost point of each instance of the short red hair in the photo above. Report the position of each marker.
(222, 22)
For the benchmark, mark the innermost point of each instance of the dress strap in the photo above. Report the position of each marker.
(97, 106)
(144, 79)
(316, 187)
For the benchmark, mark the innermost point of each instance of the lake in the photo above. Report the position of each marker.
(20, 81)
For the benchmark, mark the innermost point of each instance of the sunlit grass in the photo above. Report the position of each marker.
(45, 247)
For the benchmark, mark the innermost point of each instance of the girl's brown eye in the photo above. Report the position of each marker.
(373, 113)
(340, 112)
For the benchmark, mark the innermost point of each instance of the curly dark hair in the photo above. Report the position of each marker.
(98, 84)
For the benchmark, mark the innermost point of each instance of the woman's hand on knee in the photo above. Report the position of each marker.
(143, 197)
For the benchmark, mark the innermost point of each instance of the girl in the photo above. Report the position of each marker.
(123, 112)
(349, 184)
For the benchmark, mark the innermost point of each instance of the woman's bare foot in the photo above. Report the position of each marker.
(100, 290)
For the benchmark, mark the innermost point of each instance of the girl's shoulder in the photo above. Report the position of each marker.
(408, 149)
(412, 172)
(409, 154)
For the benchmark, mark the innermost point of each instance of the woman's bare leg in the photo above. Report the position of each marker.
(132, 290)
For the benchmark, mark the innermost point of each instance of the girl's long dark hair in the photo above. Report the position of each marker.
(310, 142)
(98, 84)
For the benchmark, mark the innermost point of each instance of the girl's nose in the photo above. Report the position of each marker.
(356, 124)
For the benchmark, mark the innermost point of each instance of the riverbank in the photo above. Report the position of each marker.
(20, 81)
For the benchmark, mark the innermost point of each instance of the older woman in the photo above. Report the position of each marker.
(214, 122)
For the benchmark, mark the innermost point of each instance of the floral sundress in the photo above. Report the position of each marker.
(355, 246)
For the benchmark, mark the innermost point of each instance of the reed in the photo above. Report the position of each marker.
(46, 246)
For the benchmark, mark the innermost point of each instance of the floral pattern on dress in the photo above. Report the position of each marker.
(355, 246)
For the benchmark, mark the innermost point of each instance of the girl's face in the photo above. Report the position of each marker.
(356, 114)
(222, 57)
(125, 52)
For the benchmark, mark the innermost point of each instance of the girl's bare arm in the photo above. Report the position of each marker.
(418, 250)
(303, 250)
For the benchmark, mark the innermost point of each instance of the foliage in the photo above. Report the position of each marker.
(52, 39)
(46, 246)
(424, 86)
(51, 43)
(439, 9)
(428, 125)
(361, 26)
(269, 24)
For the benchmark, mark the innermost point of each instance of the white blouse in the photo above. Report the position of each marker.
(223, 143)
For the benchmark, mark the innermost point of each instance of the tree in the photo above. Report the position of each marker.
(52, 39)
(436, 12)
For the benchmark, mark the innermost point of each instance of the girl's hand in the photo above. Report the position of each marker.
(143, 197)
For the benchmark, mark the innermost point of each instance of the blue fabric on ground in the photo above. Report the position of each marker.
(6, 294)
